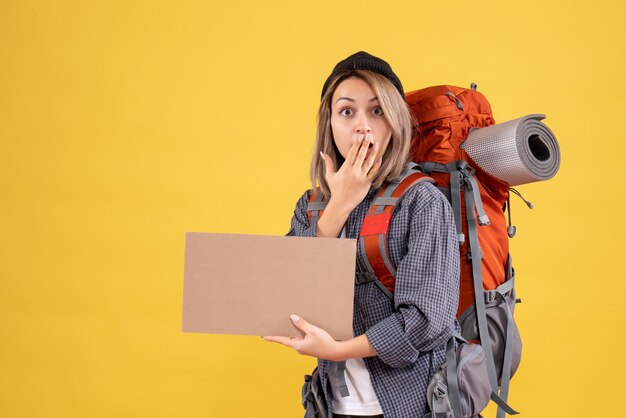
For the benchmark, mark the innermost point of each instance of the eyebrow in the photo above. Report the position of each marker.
(352, 100)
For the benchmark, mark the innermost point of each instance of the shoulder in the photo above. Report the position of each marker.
(423, 196)
(303, 201)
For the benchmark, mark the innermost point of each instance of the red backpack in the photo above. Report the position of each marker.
(445, 117)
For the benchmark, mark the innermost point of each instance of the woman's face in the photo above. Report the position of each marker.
(355, 110)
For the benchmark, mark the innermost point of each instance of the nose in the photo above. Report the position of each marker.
(362, 124)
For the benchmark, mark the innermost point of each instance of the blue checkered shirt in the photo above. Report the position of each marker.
(410, 333)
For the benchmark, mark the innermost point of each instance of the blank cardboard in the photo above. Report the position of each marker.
(250, 284)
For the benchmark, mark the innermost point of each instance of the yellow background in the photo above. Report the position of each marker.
(124, 124)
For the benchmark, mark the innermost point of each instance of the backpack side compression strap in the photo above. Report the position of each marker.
(373, 236)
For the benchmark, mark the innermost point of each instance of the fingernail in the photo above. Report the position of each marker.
(294, 317)
(322, 155)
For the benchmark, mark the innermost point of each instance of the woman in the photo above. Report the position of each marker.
(363, 140)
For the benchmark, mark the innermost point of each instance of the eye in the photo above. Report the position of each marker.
(378, 111)
(346, 111)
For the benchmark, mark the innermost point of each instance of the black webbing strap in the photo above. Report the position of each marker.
(341, 376)
(307, 402)
(503, 405)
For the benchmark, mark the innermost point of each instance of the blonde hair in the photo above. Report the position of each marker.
(395, 110)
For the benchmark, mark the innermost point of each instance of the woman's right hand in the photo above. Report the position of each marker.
(349, 185)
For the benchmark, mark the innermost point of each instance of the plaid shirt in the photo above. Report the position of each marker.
(410, 333)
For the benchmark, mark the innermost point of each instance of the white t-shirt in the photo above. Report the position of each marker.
(362, 399)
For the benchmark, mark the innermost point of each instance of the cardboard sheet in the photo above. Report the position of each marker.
(250, 284)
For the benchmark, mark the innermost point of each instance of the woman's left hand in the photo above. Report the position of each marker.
(316, 342)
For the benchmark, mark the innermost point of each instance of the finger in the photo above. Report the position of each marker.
(371, 159)
(289, 342)
(301, 324)
(354, 148)
(375, 169)
(365, 146)
(329, 165)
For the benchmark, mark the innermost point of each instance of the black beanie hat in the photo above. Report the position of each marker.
(364, 61)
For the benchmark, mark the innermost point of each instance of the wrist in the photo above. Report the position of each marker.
(338, 209)
(332, 220)
(357, 347)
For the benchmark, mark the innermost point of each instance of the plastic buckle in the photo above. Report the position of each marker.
(466, 170)
(441, 389)
(490, 295)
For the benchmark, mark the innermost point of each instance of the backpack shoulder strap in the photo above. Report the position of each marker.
(373, 237)
(317, 204)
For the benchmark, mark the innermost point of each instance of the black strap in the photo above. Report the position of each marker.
(502, 404)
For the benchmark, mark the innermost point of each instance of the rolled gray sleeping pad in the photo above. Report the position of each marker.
(517, 152)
